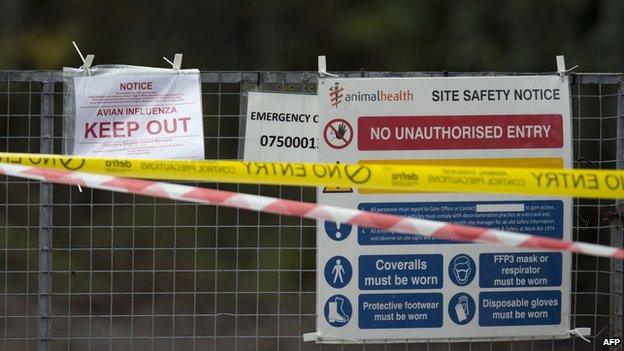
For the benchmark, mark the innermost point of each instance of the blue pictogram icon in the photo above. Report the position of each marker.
(461, 308)
(338, 272)
(338, 311)
(462, 270)
(337, 232)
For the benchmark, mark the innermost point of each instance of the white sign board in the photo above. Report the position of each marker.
(376, 285)
(281, 127)
(139, 116)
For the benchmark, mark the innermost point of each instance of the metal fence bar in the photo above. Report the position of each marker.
(310, 77)
(45, 223)
(617, 230)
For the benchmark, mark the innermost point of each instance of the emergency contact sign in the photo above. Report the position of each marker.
(281, 127)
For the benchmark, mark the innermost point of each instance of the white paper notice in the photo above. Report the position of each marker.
(139, 116)
(281, 127)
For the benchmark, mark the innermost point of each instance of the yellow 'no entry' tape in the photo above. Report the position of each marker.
(605, 184)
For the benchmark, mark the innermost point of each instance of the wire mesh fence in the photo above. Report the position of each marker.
(94, 270)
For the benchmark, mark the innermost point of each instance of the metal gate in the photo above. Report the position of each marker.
(94, 270)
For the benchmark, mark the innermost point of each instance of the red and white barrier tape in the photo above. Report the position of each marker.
(392, 223)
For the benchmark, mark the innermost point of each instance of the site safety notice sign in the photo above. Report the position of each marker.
(139, 115)
(281, 127)
(377, 285)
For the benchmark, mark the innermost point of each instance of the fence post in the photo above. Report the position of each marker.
(44, 325)
(617, 229)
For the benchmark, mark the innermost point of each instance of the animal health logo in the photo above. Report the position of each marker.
(336, 95)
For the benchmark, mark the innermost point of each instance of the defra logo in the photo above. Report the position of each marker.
(336, 95)
(118, 165)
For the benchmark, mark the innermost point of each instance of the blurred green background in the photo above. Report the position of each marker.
(391, 35)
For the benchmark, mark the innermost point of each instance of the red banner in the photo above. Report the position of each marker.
(460, 132)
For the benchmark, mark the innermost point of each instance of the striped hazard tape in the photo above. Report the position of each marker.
(605, 184)
(308, 210)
